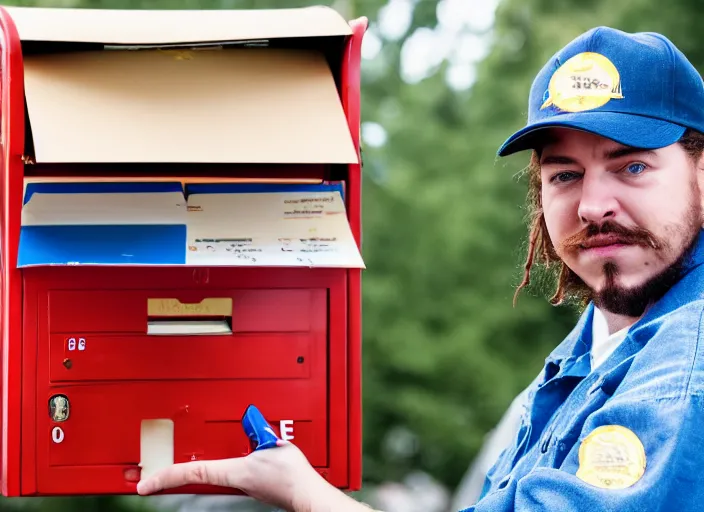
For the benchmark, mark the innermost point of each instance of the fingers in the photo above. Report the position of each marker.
(227, 472)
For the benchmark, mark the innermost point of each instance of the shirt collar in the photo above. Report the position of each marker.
(575, 348)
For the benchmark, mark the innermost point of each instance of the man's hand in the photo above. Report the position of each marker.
(280, 476)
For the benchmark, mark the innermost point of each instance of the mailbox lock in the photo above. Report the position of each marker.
(68, 363)
(300, 360)
(59, 408)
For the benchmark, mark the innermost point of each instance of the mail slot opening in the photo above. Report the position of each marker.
(189, 326)
(176, 318)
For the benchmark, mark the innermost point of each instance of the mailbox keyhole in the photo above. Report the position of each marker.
(300, 360)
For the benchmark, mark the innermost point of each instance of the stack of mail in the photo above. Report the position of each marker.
(194, 224)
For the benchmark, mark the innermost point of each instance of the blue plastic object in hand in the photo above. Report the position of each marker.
(261, 435)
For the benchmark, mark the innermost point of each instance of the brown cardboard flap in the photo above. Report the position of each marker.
(144, 27)
(244, 105)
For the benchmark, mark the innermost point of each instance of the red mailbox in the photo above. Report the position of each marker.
(180, 232)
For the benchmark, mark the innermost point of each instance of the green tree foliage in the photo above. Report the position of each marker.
(444, 234)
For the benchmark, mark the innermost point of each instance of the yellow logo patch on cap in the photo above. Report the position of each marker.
(584, 82)
(611, 457)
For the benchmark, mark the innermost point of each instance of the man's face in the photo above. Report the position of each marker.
(619, 217)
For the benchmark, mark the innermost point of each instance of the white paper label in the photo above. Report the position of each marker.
(156, 445)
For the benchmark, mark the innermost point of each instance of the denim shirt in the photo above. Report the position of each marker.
(652, 384)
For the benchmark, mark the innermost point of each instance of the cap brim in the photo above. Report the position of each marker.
(627, 129)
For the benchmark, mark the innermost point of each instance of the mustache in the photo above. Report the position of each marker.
(612, 233)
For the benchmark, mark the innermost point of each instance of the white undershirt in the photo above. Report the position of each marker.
(603, 344)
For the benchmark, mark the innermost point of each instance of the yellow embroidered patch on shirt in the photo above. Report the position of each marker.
(611, 457)
(584, 82)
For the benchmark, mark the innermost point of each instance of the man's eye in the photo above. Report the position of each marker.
(563, 177)
(636, 168)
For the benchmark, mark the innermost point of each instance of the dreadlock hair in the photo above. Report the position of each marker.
(541, 249)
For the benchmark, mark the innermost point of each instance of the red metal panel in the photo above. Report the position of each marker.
(33, 324)
(181, 279)
(351, 101)
(117, 358)
(121, 379)
(12, 126)
(104, 426)
(338, 472)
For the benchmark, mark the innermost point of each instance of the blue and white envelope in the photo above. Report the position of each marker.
(171, 224)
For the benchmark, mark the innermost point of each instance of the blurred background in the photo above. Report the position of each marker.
(445, 352)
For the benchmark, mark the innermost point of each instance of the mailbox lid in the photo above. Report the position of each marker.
(215, 105)
(161, 27)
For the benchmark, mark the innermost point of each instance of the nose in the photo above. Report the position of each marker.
(598, 200)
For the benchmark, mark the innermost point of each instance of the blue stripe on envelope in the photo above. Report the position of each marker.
(106, 245)
(100, 187)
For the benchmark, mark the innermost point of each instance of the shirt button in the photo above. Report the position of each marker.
(546, 443)
(596, 387)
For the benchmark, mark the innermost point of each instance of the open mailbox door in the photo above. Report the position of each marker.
(224, 104)
(181, 239)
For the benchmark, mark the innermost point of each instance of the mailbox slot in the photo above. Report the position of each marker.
(171, 317)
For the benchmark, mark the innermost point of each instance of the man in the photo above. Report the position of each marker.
(615, 421)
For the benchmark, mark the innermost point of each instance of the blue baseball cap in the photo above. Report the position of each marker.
(636, 89)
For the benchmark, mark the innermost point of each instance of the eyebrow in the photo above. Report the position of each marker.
(612, 154)
(625, 151)
(559, 160)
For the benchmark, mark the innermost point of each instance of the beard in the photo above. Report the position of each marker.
(633, 301)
